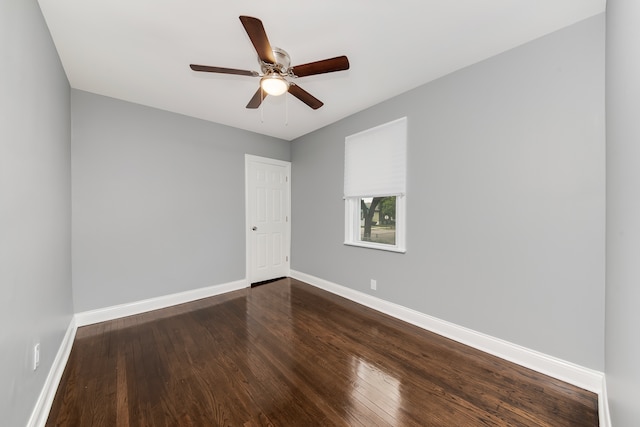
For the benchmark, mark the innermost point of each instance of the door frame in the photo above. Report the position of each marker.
(248, 158)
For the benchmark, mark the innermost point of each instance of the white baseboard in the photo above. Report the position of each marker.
(41, 410)
(603, 405)
(122, 310)
(579, 376)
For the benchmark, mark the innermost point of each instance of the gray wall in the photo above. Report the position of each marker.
(506, 202)
(158, 201)
(623, 212)
(35, 206)
(506, 198)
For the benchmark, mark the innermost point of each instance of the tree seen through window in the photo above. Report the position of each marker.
(377, 217)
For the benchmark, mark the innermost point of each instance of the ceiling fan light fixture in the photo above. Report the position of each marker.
(276, 70)
(274, 84)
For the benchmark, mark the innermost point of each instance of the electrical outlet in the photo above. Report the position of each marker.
(374, 284)
(36, 356)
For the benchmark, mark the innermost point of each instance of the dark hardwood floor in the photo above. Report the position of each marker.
(289, 354)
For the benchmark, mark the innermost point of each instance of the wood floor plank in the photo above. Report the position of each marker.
(289, 354)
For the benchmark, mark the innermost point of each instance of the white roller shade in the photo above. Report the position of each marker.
(375, 161)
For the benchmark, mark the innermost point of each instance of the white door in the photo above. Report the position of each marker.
(268, 223)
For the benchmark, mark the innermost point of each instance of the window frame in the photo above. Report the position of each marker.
(352, 225)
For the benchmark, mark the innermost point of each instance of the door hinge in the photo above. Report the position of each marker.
(286, 218)
(286, 258)
(286, 178)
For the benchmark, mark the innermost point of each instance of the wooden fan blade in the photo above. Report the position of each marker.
(305, 96)
(257, 35)
(257, 99)
(222, 70)
(339, 63)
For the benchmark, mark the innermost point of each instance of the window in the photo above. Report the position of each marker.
(375, 187)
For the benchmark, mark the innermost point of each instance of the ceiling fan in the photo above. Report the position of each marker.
(276, 71)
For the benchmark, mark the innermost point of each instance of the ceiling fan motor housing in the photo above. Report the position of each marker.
(282, 64)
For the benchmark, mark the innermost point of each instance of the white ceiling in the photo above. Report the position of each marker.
(140, 50)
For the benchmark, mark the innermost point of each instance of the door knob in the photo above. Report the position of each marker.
(254, 228)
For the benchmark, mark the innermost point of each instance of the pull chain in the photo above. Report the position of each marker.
(261, 105)
(286, 110)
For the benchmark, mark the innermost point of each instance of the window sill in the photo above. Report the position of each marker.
(377, 247)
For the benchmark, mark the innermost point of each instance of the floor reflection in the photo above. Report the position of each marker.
(381, 389)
